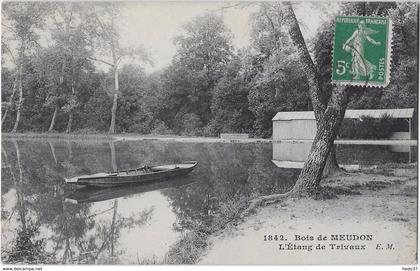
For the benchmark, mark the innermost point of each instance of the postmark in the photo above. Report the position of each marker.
(362, 51)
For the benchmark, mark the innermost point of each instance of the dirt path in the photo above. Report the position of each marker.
(381, 203)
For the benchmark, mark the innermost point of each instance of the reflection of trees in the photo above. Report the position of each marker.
(70, 226)
(227, 175)
(25, 247)
(368, 155)
(75, 235)
(230, 174)
(69, 150)
(103, 249)
(265, 178)
(113, 157)
(6, 168)
(53, 151)
(5, 160)
(18, 186)
(114, 168)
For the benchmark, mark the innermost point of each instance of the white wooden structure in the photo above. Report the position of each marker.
(293, 133)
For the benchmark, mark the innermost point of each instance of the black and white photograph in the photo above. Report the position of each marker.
(209, 133)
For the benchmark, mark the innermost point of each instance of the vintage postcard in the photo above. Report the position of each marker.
(209, 133)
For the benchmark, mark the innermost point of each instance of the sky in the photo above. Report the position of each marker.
(155, 24)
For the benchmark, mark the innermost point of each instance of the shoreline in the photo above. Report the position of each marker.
(55, 136)
(381, 202)
(194, 139)
(131, 137)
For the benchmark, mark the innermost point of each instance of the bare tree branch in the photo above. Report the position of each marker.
(10, 52)
(101, 60)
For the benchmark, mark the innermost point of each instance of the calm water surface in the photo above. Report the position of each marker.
(142, 222)
(64, 224)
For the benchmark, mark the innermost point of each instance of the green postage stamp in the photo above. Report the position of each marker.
(362, 51)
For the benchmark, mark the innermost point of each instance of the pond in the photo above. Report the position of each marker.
(45, 220)
(132, 228)
(294, 153)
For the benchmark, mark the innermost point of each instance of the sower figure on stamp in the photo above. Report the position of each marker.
(355, 44)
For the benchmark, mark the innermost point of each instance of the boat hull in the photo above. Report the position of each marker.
(116, 180)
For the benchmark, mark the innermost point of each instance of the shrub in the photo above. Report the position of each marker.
(140, 128)
(189, 124)
(160, 128)
(370, 128)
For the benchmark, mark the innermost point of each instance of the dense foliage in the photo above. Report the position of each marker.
(208, 88)
(369, 128)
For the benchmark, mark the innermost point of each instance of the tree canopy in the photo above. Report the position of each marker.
(210, 87)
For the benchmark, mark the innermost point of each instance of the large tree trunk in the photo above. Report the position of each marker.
(318, 97)
(113, 114)
(115, 60)
(312, 171)
(316, 93)
(53, 119)
(20, 103)
(69, 123)
(331, 166)
(114, 103)
(61, 82)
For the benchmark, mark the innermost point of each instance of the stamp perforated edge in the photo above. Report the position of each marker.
(388, 61)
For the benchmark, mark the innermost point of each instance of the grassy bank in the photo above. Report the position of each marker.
(381, 202)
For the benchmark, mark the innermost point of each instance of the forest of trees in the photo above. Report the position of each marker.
(210, 87)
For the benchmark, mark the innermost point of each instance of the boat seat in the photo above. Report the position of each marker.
(145, 169)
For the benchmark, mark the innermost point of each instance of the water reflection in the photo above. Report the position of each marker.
(292, 154)
(122, 225)
(94, 194)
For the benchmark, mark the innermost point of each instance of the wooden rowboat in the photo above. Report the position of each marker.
(133, 176)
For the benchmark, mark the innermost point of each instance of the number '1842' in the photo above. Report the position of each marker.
(274, 238)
